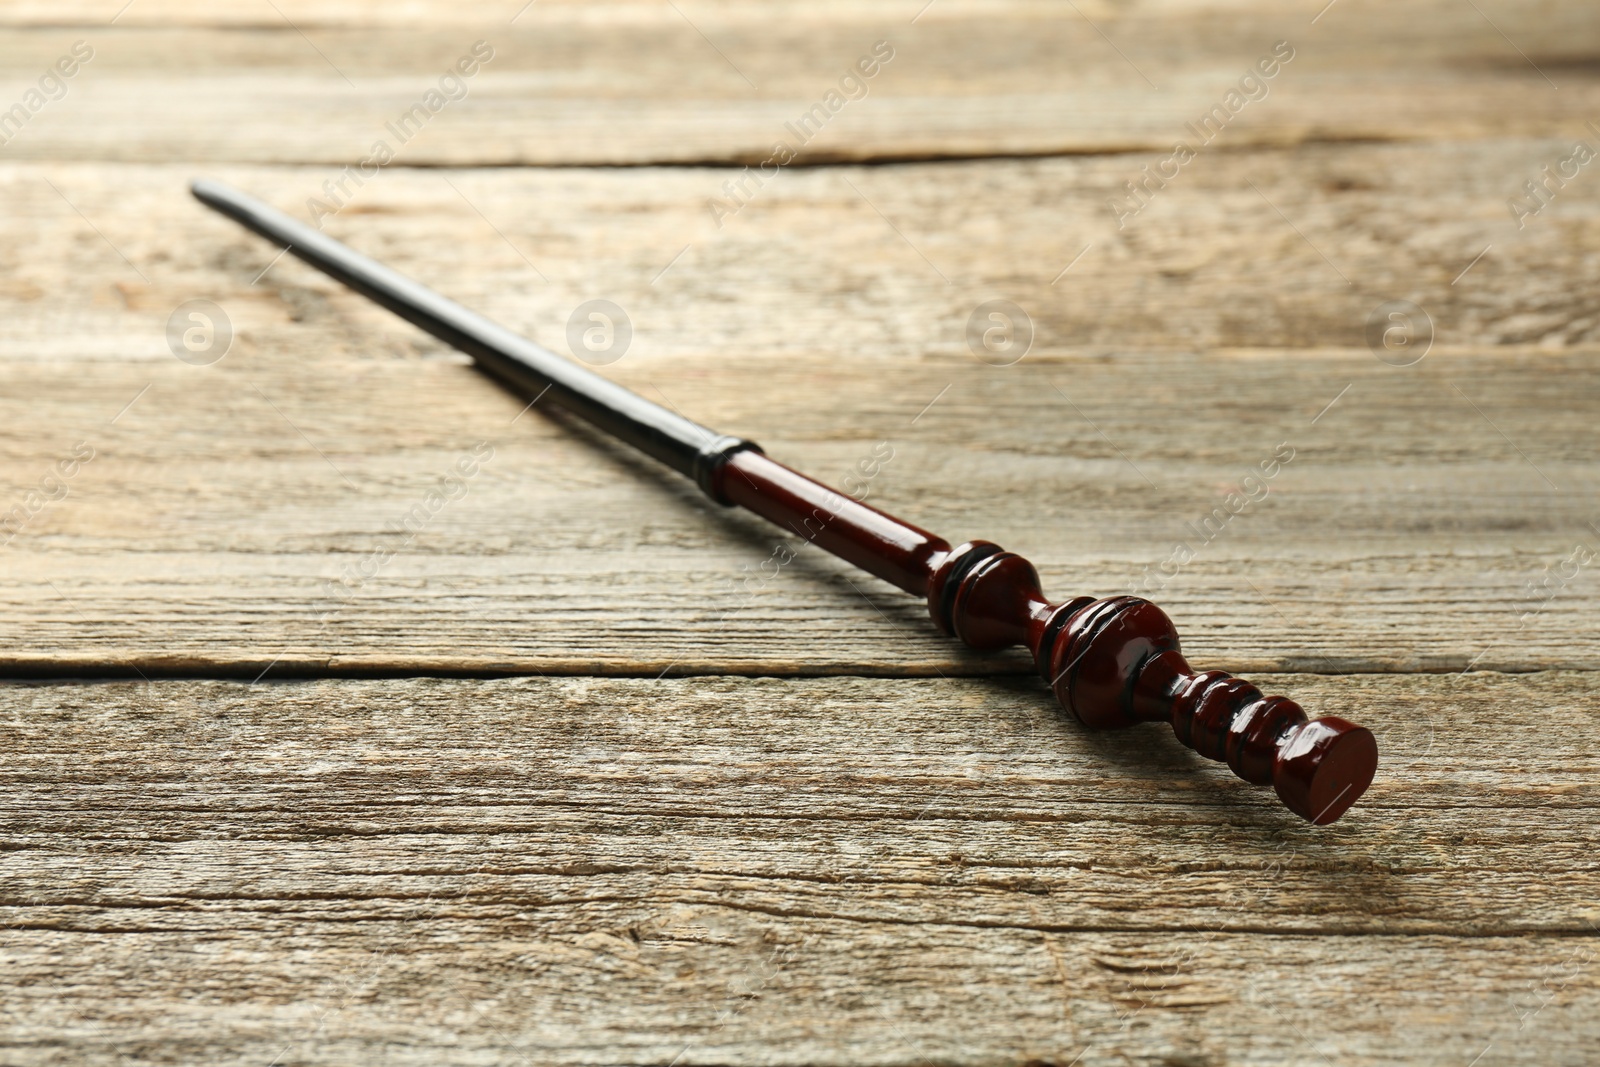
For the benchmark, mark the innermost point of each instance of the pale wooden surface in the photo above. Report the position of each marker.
(849, 859)
(845, 870)
(628, 83)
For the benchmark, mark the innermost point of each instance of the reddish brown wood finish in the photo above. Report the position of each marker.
(1112, 662)
(880, 544)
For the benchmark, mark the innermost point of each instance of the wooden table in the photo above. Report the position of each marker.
(316, 756)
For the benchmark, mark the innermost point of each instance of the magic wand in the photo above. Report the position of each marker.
(1112, 662)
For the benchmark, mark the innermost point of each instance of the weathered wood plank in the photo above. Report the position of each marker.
(865, 263)
(698, 984)
(841, 870)
(639, 83)
(207, 534)
(1001, 812)
(711, 984)
(1404, 535)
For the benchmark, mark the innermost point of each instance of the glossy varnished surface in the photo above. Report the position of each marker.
(873, 540)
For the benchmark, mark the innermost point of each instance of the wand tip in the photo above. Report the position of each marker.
(207, 191)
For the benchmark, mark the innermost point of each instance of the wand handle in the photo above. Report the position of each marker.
(1112, 662)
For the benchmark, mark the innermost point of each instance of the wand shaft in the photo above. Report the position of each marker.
(872, 540)
(684, 445)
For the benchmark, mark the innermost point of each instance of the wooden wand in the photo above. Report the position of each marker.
(1112, 662)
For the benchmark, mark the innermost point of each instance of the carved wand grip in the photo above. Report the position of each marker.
(1112, 662)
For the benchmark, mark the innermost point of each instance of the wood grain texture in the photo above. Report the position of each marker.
(861, 264)
(1405, 535)
(840, 857)
(655, 82)
(779, 871)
